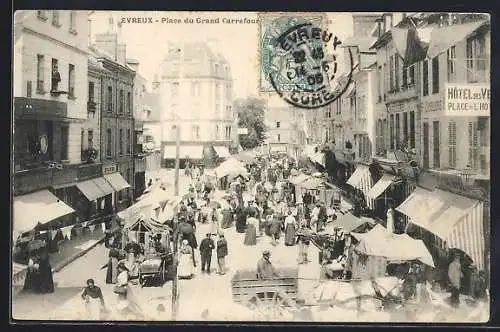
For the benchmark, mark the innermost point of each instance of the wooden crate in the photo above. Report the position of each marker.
(245, 283)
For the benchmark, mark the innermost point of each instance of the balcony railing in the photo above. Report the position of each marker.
(91, 106)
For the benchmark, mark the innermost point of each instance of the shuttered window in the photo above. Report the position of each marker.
(473, 160)
(452, 144)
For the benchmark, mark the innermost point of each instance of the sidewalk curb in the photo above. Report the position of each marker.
(71, 259)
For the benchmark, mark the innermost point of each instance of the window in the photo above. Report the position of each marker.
(56, 77)
(129, 103)
(195, 89)
(110, 99)
(476, 60)
(216, 69)
(90, 139)
(412, 129)
(279, 138)
(425, 78)
(385, 78)
(228, 91)
(396, 72)
(228, 132)
(72, 21)
(426, 145)
(120, 142)
(120, 100)
(452, 144)
(380, 83)
(391, 73)
(278, 124)
(405, 127)
(109, 142)
(128, 141)
(435, 74)
(450, 59)
(64, 142)
(55, 18)
(217, 132)
(71, 81)
(40, 70)
(398, 139)
(391, 131)
(82, 140)
(28, 89)
(384, 133)
(411, 75)
(217, 91)
(435, 145)
(91, 92)
(473, 135)
(195, 130)
(405, 77)
(175, 89)
(217, 109)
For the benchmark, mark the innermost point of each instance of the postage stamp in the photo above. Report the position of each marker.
(299, 60)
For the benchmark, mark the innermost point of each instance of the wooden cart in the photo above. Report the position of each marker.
(269, 298)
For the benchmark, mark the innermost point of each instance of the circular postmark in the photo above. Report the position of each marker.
(307, 76)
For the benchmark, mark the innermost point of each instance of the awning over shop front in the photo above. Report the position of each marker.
(312, 183)
(379, 187)
(104, 185)
(230, 166)
(349, 223)
(38, 207)
(222, 151)
(298, 179)
(90, 190)
(186, 151)
(445, 37)
(356, 177)
(456, 219)
(117, 181)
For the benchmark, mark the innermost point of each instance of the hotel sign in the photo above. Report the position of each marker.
(467, 100)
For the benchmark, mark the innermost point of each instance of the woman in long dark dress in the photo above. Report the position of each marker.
(290, 230)
(31, 280)
(251, 232)
(241, 219)
(112, 268)
(46, 281)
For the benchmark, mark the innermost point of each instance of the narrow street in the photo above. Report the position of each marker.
(201, 298)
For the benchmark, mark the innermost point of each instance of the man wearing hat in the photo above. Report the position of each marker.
(265, 269)
(206, 247)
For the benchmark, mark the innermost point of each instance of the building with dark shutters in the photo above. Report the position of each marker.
(117, 121)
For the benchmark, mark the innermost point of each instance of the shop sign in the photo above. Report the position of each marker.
(109, 169)
(467, 100)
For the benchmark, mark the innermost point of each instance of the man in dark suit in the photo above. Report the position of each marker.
(206, 247)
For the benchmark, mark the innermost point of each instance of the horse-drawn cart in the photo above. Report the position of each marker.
(270, 298)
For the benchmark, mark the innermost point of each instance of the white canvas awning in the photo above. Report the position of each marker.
(117, 181)
(186, 151)
(358, 175)
(38, 207)
(379, 187)
(222, 151)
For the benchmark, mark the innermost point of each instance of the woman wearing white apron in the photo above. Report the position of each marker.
(94, 301)
(186, 261)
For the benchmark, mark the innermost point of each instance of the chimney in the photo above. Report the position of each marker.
(379, 21)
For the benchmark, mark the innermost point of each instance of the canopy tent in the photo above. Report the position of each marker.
(38, 207)
(230, 166)
(349, 223)
(312, 183)
(393, 247)
(222, 151)
(247, 156)
(298, 179)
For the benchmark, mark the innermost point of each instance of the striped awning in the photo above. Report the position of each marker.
(379, 187)
(222, 151)
(117, 181)
(456, 219)
(358, 176)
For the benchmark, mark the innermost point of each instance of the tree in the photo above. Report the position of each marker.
(251, 116)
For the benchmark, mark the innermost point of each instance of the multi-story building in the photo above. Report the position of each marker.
(50, 114)
(195, 90)
(280, 128)
(140, 112)
(431, 65)
(117, 122)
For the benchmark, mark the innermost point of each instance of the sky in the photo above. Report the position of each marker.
(239, 43)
